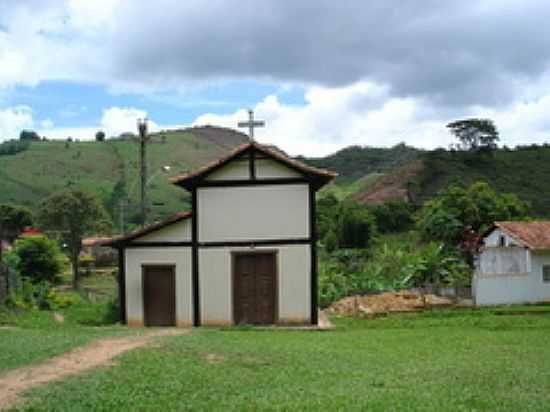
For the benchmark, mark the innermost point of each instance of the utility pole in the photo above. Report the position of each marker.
(142, 129)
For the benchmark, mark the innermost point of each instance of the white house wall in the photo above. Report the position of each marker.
(542, 289)
(493, 239)
(253, 212)
(178, 256)
(504, 261)
(493, 287)
(293, 284)
(176, 232)
(270, 169)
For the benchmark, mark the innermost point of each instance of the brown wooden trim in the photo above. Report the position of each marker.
(122, 285)
(195, 259)
(313, 253)
(256, 182)
(256, 242)
(252, 164)
(274, 252)
(158, 244)
(172, 266)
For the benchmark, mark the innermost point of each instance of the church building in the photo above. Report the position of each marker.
(244, 254)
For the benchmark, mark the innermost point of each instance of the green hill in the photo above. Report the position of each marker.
(418, 176)
(110, 168)
(370, 175)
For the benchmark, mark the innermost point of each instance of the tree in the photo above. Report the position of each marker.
(356, 227)
(393, 216)
(100, 136)
(475, 134)
(13, 219)
(456, 210)
(29, 135)
(38, 258)
(75, 213)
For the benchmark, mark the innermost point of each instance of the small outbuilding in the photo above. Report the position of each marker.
(513, 264)
(244, 254)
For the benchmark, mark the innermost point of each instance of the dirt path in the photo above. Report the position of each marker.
(100, 352)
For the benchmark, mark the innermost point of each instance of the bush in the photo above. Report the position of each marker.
(353, 272)
(87, 263)
(39, 259)
(12, 147)
(30, 295)
(393, 216)
(57, 300)
(357, 227)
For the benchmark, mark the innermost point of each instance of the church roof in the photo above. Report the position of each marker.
(534, 235)
(175, 218)
(319, 177)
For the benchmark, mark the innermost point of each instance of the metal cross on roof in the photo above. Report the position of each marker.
(251, 124)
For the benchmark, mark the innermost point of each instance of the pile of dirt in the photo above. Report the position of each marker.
(372, 305)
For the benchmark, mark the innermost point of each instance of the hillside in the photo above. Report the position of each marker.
(369, 175)
(355, 162)
(524, 171)
(27, 177)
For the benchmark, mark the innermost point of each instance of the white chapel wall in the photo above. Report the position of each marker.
(178, 256)
(176, 232)
(293, 284)
(253, 212)
(271, 169)
(235, 170)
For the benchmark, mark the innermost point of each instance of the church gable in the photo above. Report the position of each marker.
(253, 161)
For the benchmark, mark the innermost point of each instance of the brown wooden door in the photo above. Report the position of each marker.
(159, 296)
(254, 288)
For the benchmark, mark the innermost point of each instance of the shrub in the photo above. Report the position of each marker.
(393, 216)
(57, 300)
(30, 295)
(39, 258)
(87, 263)
(353, 272)
(12, 147)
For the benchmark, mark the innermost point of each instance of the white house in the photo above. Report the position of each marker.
(245, 253)
(513, 265)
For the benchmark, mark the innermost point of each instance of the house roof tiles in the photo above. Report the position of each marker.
(534, 235)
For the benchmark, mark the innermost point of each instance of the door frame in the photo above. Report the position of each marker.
(172, 267)
(275, 254)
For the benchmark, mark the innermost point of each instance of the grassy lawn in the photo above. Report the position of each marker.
(33, 336)
(445, 360)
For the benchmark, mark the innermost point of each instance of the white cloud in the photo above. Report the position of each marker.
(363, 114)
(13, 120)
(117, 120)
(332, 118)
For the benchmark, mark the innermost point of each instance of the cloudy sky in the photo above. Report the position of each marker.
(323, 74)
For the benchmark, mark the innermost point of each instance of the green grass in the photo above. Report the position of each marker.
(444, 360)
(32, 336)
